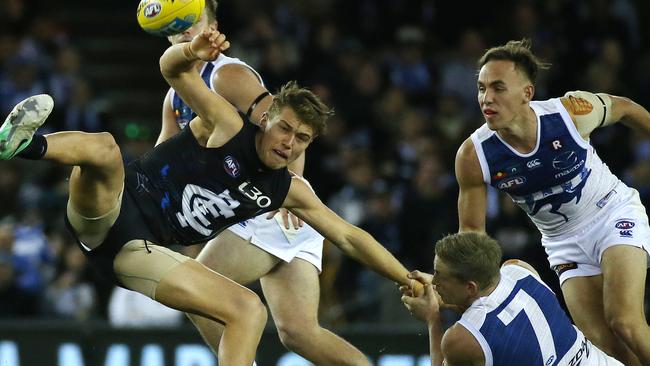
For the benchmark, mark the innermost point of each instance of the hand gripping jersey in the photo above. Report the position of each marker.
(182, 111)
(188, 193)
(560, 184)
(522, 323)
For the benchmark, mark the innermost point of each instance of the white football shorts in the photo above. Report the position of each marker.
(272, 237)
(622, 221)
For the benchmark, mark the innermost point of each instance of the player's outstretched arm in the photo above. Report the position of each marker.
(354, 241)
(631, 114)
(177, 67)
(472, 196)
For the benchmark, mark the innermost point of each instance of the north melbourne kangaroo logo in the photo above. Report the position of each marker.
(199, 204)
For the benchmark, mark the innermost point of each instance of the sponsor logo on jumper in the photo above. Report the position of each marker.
(550, 360)
(570, 170)
(532, 164)
(565, 160)
(152, 10)
(254, 193)
(556, 144)
(624, 224)
(512, 183)
(626, 233)
(576, 360)
(231, 165)
(201, 206)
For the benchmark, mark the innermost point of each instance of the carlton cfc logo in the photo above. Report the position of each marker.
(231, 165)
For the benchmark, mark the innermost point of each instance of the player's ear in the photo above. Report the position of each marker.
(264, 121)
(529, 92)
(473, 288)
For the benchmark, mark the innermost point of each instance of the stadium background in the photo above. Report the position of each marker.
(401, 76)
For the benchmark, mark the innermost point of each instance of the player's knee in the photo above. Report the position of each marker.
(106, 150)
(294, 334)
(251, 309)
(624, 325)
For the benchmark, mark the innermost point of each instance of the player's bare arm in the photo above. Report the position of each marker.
(242, 88)
(460, 348)
(169, 126)
(177, 66)
(472, 196)
(354, 241)
(631, 114)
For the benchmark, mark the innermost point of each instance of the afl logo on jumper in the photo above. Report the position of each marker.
(624, 224)
(231, 165)
(152, 10)
(565, 160)
(512, 183)
(201, 206)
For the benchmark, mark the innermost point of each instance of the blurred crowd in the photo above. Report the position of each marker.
(401, 76)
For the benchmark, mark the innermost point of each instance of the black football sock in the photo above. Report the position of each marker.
(36, 148)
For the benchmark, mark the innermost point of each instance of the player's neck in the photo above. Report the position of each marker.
(521, 132)
(488, 290)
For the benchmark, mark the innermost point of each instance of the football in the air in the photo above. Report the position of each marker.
(168, 17)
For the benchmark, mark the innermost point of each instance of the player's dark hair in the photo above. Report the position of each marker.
(518, 52)
(211, 9)
(307, 106)
(471, 256)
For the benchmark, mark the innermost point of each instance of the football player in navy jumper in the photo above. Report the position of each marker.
(219, 171)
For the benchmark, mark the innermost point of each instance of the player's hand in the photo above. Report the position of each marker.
(422, 277)
(425, 279)
(426, 306)
(287, 217)
(208, 44)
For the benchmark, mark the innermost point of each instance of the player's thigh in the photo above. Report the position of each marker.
(624, 275)
(180, 282)
(292, 292)
(94, 189)
(236, 258)
(584, 299)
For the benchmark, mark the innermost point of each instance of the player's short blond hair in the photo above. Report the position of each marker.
(471, 256)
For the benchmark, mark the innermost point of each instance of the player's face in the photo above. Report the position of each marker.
(503, 93)
(188, 34)
(452, 290)
(285, 137)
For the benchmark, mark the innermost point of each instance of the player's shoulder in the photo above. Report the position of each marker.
(579, 102)
(459, 346)
(466, 154)
(519, 266)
